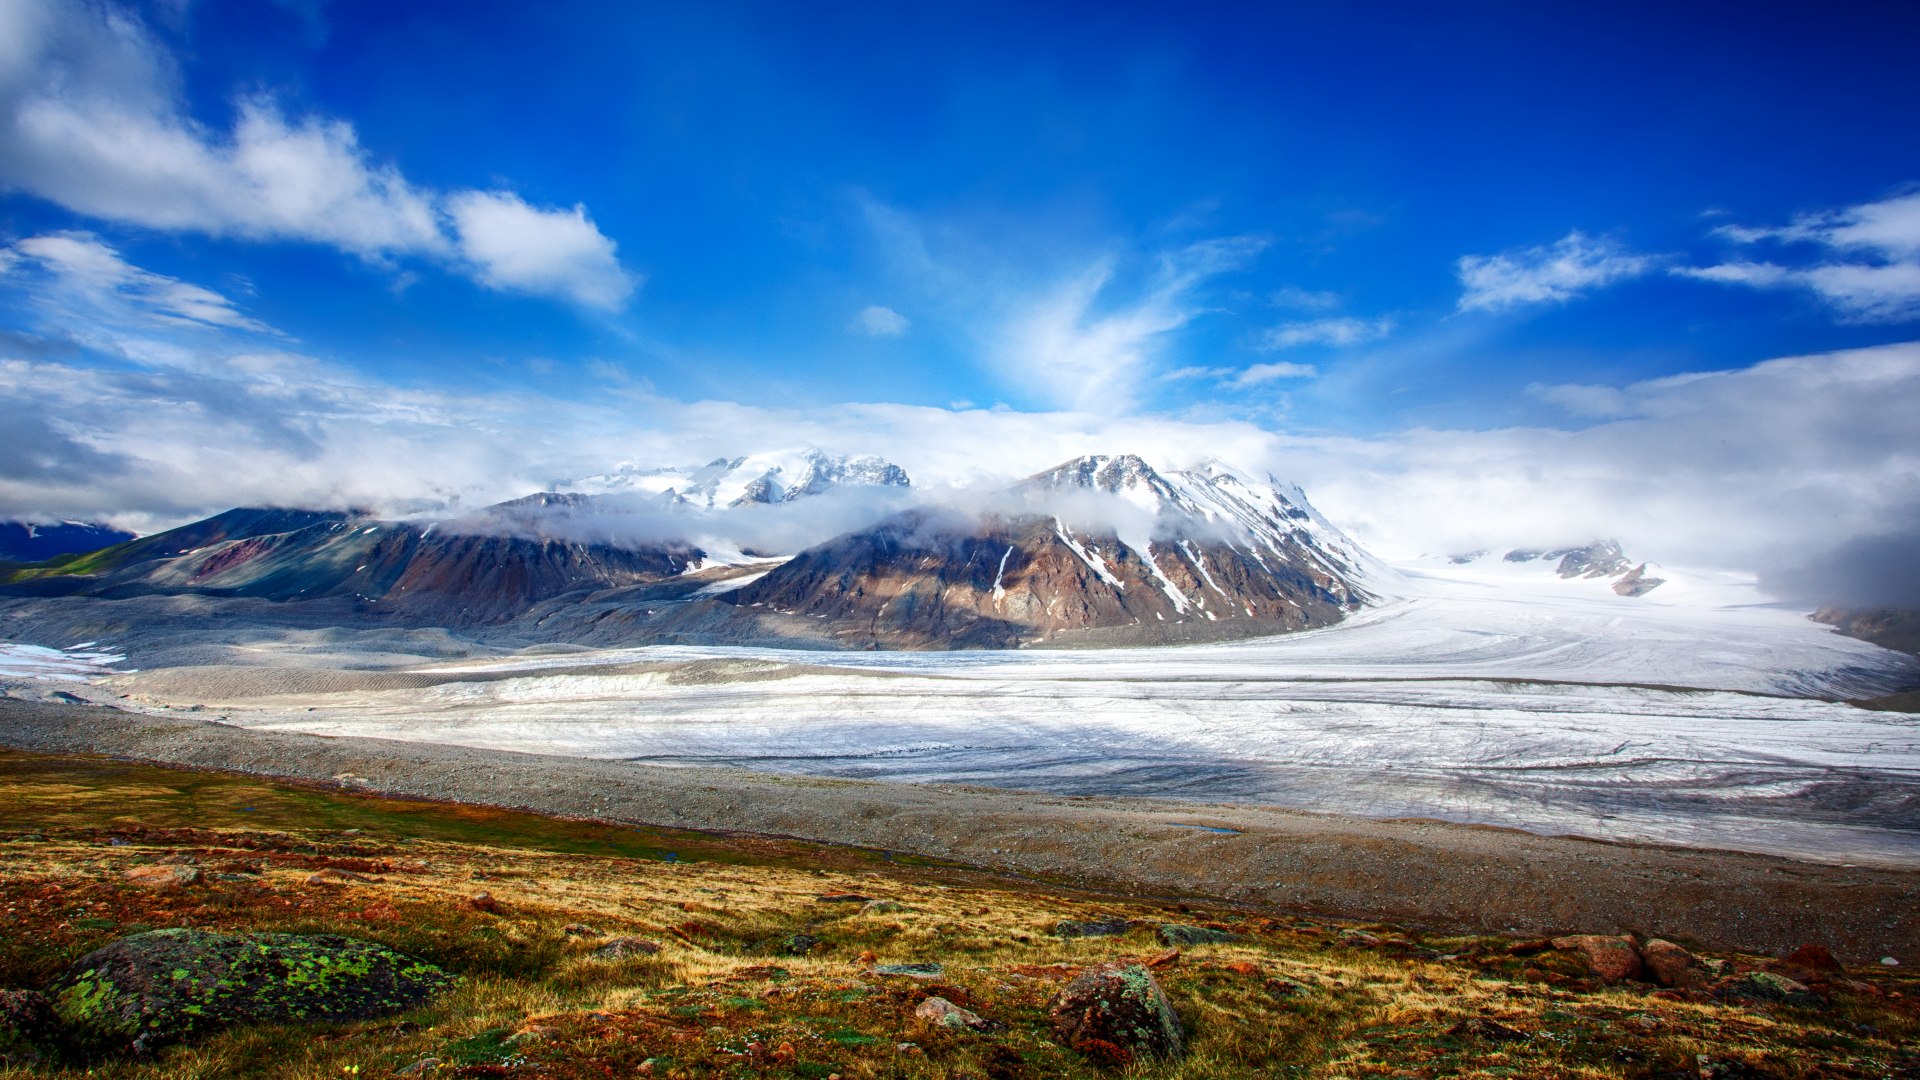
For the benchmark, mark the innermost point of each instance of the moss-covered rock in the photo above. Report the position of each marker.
(1769, 987)
(1114, 1012)
(1177, 934)
(149, 989)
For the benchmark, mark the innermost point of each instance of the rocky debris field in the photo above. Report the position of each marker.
(500, 943)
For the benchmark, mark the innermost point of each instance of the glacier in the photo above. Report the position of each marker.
(1699, 715)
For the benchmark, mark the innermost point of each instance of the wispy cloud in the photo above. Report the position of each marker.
(1867, 266)
(1076, 349)
(1576, 264)
(92, 118)
(877, 321)
(88, 269)
(1299, 299)
(1338, 332)
(1244, 378)
(1266, 373)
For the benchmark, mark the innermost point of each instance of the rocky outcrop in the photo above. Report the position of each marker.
(1637, 582)
(943, 1013)
(1181, 934)
(1599, 560)
(1894, 628)
(1116, 1012)
(1814, 959)
(1614, 959)
(1767, 987)
(1674, 967)
(1073, 928)
(150, 989)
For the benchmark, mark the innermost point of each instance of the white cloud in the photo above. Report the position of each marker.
(1738, 273)
(1076, 353)
(1884, 293)
(1196, 372)
(1266, 373)
(1243, 378)
(1543, 275)
(876, 321)
(88, 270)
(1336, 332)
(1871, 259)
(520, 248)
(1781, 463)
(92, 118)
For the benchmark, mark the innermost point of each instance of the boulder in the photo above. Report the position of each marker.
(333, 875)
(622, 947)
(1672, 966)
(1769, 988)
(911, 971)
(1814, 958)
(1068, 928)
(146, 990)
(1179, 934)
(1612, 958)
(485, 902)
(162, 877)
(1119, 1006)
(943, 1013)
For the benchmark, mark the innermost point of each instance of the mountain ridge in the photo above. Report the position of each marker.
(1100, 547)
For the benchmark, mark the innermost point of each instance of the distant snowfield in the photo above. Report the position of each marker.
(1486, 694)
(78, 663)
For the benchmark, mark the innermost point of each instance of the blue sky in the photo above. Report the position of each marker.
(1317, 223)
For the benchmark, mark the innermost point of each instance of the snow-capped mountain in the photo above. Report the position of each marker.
(489, 568)
(1219, 501)
(1096, 549)
(776, 477)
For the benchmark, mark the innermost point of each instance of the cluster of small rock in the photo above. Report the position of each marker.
(1796, 979)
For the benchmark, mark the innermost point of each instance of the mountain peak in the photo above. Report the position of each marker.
(777, 476)
(1097, 472)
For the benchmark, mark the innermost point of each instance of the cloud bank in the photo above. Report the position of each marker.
(92, 118)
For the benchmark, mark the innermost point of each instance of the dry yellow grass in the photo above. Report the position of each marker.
(730, 993)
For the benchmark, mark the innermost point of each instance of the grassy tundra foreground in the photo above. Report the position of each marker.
(746, 956)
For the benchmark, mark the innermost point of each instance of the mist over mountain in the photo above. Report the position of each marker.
(1100, 548)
